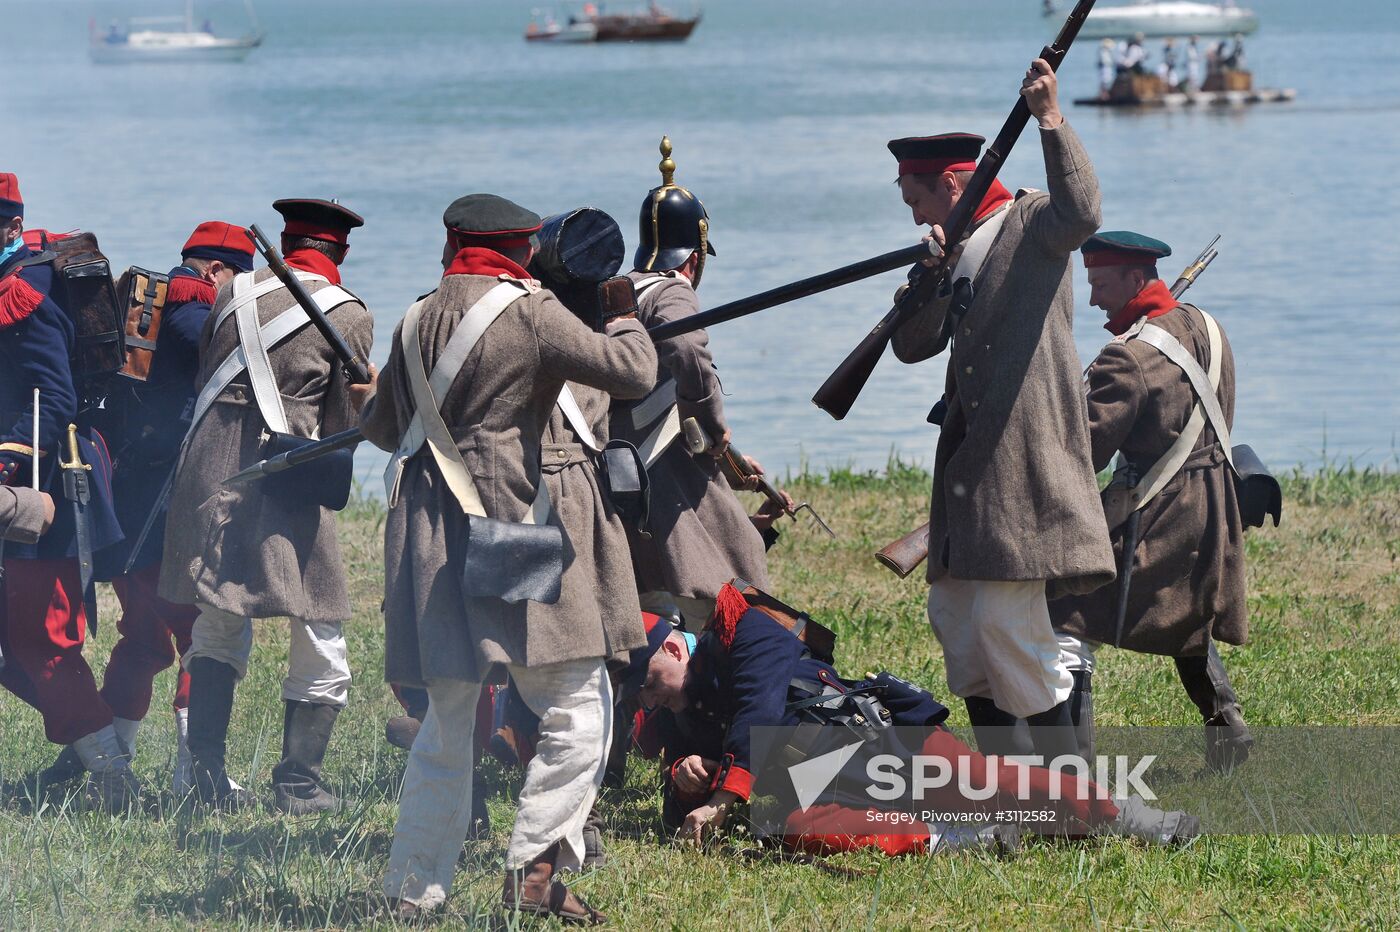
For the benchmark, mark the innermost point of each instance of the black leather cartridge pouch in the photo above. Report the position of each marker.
(624, 478)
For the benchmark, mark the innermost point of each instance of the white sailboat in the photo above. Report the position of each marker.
(183, 44)
(1168, 18)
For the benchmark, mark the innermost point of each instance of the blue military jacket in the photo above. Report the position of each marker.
(36, 346)
(145, 423)
(745, 678)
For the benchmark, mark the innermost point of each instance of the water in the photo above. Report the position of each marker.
(779, 112)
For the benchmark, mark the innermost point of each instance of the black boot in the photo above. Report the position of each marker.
(296, 780)
(1053, 733)
(997, 732)
(211, 707)
(481, 816)
(66, 768)
(1227, 737)
(1081, 709)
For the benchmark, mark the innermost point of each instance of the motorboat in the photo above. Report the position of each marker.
(548, 29)
(149, 39)
(593, 23)
(1168, 18)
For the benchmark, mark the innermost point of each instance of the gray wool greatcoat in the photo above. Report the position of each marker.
(701, 536)
(1014, 495)
(499, 411)
(1188, 580)
(21, 514)
(235, 549)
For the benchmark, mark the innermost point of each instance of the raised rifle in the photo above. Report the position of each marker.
(735, 466)
(905, 554)
(839, 392)
(356, 371)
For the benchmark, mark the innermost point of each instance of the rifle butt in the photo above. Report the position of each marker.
(841, 389)
(903, 556)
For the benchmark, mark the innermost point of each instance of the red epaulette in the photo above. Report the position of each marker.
(18, 299)
(184, 289)
(730, 606)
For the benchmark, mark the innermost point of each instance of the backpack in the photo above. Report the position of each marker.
(83, 288)
(143, 294)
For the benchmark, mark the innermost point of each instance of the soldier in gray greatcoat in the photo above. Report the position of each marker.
(1188, 588)
(253, 551)
(506, 351)
(1015, 510)
(699, 535)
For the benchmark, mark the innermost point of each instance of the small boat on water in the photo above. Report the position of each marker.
(1222, 88)
(548, 29)
(142, 43)
(1162, 18)
(651, 23)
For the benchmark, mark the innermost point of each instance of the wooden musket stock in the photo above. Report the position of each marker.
(839, 392)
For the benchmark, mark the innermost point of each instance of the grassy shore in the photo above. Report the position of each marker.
(1324, 649)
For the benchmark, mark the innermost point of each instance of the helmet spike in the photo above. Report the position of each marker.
(667, 166)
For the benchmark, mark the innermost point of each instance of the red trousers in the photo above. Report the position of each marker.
(1081, 805)
(42, 629)
(154, 633)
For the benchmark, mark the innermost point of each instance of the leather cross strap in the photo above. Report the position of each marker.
(426, 406)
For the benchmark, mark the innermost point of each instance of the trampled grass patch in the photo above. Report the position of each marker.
(1325, 649)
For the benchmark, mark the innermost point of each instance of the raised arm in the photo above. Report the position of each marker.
(620, 361)
(1062, 222)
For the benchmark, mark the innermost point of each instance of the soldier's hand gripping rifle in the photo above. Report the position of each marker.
(736, 468)
(841, 388)
(905, 554)
(355, 368)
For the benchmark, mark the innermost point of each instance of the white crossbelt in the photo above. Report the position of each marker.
(255, 341)
(1205, 385)
(976, 246)
(659, 407)
(574, 415)
(427, 424)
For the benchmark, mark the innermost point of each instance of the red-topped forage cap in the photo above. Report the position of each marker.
(11, 203)
(224, 242)
(317, 219)
(934, 155)
(490, 220)
(635, 675)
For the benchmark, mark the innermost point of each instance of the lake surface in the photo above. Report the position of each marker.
(779, 112)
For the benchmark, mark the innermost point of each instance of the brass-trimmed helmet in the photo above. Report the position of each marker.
(673, 224)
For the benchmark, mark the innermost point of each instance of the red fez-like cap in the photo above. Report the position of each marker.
(317, 219)
(934, 155)
(11, 203)
(229, 244)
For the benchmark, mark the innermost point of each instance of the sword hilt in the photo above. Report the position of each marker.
(75, 458)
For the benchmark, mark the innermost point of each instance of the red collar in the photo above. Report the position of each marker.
(309, 260)
(478, 260)
(1153, 300)
(996, 196)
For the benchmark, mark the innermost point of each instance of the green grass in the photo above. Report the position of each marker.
(1325, 649)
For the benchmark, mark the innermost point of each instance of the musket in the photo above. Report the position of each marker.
(792, 291)
(356, 371)
(302, 454)
(839, 392)
(903, 555)
(736, 466)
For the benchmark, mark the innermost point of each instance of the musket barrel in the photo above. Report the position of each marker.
(793, 291)
(354, 366)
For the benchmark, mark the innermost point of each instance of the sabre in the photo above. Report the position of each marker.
(77, 489)
(736, 465)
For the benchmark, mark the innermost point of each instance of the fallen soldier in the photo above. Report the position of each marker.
(749, 670)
